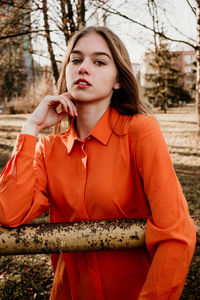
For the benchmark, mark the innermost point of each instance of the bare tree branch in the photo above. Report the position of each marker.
(152, 6)
(71, 16)
(172, 25)
(24, 33)
(64, 19)
(161, 34)
(49, 43)
(192, 8)
(81, 13)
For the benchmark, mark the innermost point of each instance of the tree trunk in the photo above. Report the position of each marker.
(198, 65)
(153, 12)
(64, 21)
(104, 17)
(49, 43)
(70, 17)
(81, 14)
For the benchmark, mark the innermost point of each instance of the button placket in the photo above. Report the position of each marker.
(84, 159)
(83, 175)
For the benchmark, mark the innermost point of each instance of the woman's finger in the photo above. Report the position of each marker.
(55, 101)
(71, 108)
(65, 101)
(68, 106)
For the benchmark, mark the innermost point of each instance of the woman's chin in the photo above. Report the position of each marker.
(82, 100)
(78, 97)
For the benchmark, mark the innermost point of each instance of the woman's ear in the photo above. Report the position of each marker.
(117, 86)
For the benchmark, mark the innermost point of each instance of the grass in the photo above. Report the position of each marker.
(25, 277)
(30, 276)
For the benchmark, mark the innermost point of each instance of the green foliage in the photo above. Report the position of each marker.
(165, 82)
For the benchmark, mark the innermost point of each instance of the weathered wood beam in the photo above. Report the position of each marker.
(67, 237)
(78, 236)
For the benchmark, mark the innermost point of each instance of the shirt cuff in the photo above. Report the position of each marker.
(25, 144)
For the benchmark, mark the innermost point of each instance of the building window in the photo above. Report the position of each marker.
(188, 69)
(188, 59)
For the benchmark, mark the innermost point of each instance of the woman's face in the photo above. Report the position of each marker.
(91, 74)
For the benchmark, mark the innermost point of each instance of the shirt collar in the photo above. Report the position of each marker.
(102, 130)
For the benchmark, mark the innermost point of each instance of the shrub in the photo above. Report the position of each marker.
(27, 103)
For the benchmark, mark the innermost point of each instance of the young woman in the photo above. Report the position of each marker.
(112, 163)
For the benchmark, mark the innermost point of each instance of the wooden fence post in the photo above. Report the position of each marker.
(78, 236)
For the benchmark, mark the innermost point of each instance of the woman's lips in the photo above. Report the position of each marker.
(82, 83)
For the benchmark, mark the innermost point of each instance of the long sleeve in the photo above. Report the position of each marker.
(170, 232)
(23, 184)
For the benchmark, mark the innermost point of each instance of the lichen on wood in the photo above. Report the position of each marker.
(69, 237)
(77, 236)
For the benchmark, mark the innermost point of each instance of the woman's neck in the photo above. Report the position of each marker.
(88, 115)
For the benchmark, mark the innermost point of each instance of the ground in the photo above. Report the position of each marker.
(30, 276)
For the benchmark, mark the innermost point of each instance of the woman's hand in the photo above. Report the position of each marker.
(46, 115)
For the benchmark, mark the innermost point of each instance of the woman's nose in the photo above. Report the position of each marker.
(84, 68)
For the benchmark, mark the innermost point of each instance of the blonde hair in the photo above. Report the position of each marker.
(126, 100)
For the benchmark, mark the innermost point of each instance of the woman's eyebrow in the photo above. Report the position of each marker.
(98, 53)
(101, 53)
(76, 52)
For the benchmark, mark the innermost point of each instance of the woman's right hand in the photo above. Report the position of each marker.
(46, 115)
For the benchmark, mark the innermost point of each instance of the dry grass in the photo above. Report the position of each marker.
(30, 277)
(180, 132)
(34, 94)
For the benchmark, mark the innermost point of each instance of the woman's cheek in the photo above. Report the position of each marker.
(68, 78)
(68, 84)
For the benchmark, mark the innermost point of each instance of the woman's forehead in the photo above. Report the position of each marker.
(92, 42)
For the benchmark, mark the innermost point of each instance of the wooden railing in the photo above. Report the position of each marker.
(78, 236)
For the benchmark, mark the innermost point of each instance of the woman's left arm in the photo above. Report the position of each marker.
(170, 232)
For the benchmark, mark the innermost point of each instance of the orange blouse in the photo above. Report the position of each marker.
(106, 176)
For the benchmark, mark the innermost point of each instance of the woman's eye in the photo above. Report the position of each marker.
(76, 61)
(99, 63)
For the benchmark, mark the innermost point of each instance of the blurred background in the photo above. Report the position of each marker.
(161, 37)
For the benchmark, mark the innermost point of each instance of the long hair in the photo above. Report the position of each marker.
(125, 100)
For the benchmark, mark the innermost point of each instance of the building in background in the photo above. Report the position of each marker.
(185, 62)
(136, 71)
(187, 59)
